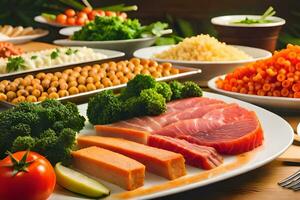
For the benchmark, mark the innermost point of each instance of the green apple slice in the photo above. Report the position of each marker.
(79, 183)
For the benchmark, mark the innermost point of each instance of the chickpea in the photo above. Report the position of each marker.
(75, 74)
(82, 88)
(91, 87)
(64, 76)
(46, 83)
(2, 88)
(38, 87)
(93, 71)
(44, 94)
(21, 87)
(73, 90)
(3, 97)
(156, 74)
(22, 92)
(166, 72)
(5, 82)
(81, 80)
(106, 82)
(53, 95)
(104, 66)
(40, 75)
(51, 89)
(61, 80)
(36, 81)
(72, 78)
(126, 70)
(101, 74)
(113, 77)
(121, 65)
(145, 71)
(11, 87)
(18, 100)
(119, 74)
(18, 80)
(99, 85)
(36, 93)
(63, 86)
(96, 78)
(29, 77)
(153, 63)
(77, 69)
(131, 66)
(42, 98)
(68, 71)
(58, 74)
(97, 67)
(49, 75)
(152, 69)
(29, 88)
(116, 82)
(88, 67)
(130, 76)
(54, 84)
(73, 84)
(25, 82)
(135, 61)
(123, 79)
(174, 71)
(84, 73)
(90, 80)
(54, 78)
(112, 66)
(31, 98)
(144, 62)
(111, 73)
(63, 93)
(167, 66)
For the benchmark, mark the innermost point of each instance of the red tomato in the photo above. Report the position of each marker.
(87, 10)
(100, 13)
(110, 13)
(71, 21)
(82, 15)
(70, 12)
(61, 18)
(36, 181)
(123, 15)
(80, 21)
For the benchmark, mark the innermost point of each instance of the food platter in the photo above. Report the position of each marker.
(184, 72)
(128, 46)
(42, 20)
(278, 136)
(265, 101)
(210, 69)
(110, 54)
(26, 38)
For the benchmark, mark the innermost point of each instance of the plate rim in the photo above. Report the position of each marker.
(182, 62)
(26, 37)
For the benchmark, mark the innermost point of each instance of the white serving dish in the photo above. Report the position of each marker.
(25, 38)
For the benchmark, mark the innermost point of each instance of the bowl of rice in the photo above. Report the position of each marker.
(206, 53)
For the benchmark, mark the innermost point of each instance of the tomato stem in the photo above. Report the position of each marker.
(19, 165)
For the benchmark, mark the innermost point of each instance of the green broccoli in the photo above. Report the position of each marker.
(42, 128)
(133, 107)
(155, 103)
(104, 108)
(164, 89)
(176, 88)
(191, 89)
(136, 85)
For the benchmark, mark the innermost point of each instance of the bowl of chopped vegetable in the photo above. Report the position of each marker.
(113, 33)
(259, 31)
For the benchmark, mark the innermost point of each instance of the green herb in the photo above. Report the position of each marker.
(120, 8)
(71, 51)
(15, 64)
(49, 16)
(263, 19)
(54, 54)
(115, 28)
(33, 57)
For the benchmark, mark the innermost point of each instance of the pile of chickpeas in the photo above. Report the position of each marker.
(79, 79)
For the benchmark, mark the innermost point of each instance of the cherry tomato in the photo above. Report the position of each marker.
(123, 15)
(87, 10)
(30, 179)
(71, 20)
(110, 13)
(80, 21)
(70, 12)
(61, 18)
(82, 15)
(100, 13)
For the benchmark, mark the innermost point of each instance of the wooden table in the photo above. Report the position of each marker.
(259, 184)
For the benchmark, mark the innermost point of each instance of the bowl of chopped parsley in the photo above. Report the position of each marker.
(259, 31)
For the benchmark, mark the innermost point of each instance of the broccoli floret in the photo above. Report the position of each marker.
(154, 102)
(21, 129)
(191, 89)
(23, 143)
(133, 107)
(104, 108)
(176, 88)
(47, 140)
(136, 85)
(164, 89)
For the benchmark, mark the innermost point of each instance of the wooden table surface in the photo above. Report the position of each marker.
(255, 185)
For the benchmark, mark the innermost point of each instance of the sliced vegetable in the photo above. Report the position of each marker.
(79, 183)
(263, 19)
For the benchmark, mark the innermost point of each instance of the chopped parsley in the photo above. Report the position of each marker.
(15, 64)
(71, 51)
(54, 54)
(33, 57)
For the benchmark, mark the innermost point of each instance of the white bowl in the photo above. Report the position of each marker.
(209, 69)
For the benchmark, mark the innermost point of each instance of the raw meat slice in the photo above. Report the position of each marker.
(159, 161)
(230, 130)
(195, 155)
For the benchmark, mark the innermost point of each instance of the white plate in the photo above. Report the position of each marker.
(43, 20)
(278, 137)
(209, 69)
(69, 30)
(265, 101)
(25, 38)
(127, 46)
(110, 54)
(298, 129)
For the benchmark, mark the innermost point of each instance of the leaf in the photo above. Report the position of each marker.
(185, 27)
